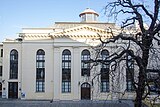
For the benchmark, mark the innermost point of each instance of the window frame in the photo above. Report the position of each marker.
(13, 64)
(85, 66)
(40, 71)
(66, 71)
(1, 52)
(129, 70)
(1, 70)
(105, 71)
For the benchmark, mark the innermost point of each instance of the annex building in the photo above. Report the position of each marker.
(50, 63)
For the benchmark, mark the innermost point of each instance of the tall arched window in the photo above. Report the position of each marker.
(14, 64)
(105, 71)
(85, 65)
(40, 71)
(129, 73)
(66, 71)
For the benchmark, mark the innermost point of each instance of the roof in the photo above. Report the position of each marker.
(88, 11)
(66, 25)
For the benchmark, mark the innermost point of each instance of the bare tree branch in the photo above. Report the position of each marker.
(121, 36)
(143, 40)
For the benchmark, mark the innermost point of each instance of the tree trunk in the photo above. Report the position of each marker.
(142, 72)
(140, 90)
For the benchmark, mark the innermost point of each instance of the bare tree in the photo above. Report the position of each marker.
(144, 38)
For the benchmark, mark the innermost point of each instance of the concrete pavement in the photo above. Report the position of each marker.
(81, 103)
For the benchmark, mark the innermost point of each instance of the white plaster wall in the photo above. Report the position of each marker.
(6, 65)
(38, 38)
(29, 70)
(53, 69)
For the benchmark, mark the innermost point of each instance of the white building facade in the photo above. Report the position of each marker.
(50, 63)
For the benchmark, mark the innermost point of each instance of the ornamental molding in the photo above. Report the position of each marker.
(83, 31)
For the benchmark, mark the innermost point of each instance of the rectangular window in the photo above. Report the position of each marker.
(13, 70)
(40, 73)
(104, 80)
(39, 86)
(0, 70)
(106, 65)
(85, 65)
(153, 77)
(40, 57)
(85, 72)
(66, 80)
(85, 57)
(40, 79)
(89, 17)
(66, 57)
(85, 68)
(66, 65)
(104, 86)
(40, 64)
(129, 76)
(66, 86)
(1, 52)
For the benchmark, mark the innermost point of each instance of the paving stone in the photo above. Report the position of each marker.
(26, 103)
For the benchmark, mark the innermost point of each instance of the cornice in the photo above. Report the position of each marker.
(80, 28)
(81, 36)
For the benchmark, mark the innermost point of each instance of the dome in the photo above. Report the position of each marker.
(88, 11)
(88, 15)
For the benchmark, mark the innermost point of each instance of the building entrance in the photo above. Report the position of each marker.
(0, 90)
(85, 91)
(13, 90)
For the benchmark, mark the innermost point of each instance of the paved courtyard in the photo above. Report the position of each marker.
(27, 103)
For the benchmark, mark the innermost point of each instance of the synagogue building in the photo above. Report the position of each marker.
(52, 62)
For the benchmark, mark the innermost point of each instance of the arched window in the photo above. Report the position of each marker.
(105, 71)
(85, 65)
(40, 71)
(129, 73)
(66, 71)
(14, 64)
(85, 85)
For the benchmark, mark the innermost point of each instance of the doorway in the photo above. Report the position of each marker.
(85, 91)
(0, 90)
(13, 90)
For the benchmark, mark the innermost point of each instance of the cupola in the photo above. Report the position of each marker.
(89, 15)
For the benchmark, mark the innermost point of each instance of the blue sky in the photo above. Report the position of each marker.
(18, 14)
